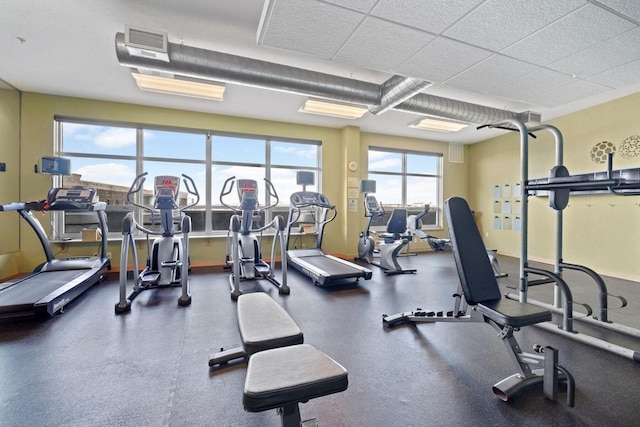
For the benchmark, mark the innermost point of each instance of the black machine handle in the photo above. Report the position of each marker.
(136, 187)
(225, 192)
(191, 188)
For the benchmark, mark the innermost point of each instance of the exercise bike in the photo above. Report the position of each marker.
(244, 255)
(393, 241)
(168, 258)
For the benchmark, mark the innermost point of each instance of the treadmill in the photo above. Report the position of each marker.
(323, 269)
(56, 282)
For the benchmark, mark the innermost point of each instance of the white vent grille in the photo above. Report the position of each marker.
(146, 43)
(456, 153)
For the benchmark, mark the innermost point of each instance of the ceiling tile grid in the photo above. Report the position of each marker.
(629, 8)
(577, 31)
(375, 45)
(309, 26)
(531, 84)
(497, 24)
(571, 92)
(488, 74)
(619, 77)
(604, 56)
(442, 59)
(426, 15)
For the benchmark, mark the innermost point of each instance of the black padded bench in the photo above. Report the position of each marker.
(283, 377)
(263, 325)
(484, 302)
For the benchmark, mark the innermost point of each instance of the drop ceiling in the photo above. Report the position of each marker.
(547, 56)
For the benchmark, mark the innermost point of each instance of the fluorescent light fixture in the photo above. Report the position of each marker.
(438, 125)
(179, 86)
(333, 109)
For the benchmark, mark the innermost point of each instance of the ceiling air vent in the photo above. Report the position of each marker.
(146, 43)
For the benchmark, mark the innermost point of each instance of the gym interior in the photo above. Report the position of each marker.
(532, 224)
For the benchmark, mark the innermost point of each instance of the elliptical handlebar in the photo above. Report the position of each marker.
(191, 188)
(272, 192)
(224, 192)
(136, 187)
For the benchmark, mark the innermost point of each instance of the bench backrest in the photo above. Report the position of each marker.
(474, 268)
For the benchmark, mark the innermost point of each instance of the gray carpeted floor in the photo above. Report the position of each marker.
(149, 368)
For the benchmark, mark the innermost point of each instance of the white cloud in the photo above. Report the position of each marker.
(113, 138)
(385, 164)
(109, 173)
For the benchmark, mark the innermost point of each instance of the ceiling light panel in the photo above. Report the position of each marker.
(174, 86)
(324, 108)
(438, 125)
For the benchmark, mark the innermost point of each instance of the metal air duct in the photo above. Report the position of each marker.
(400, 93)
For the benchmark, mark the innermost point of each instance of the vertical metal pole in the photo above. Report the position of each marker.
(524, 178)
(557, 292)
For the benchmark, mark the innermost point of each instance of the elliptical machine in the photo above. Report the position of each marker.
(168, 257)
(244, 254)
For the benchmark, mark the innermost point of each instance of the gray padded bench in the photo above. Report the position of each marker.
(283, 377)
(263, 325)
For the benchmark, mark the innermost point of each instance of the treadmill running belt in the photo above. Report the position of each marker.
(333, 267)
(30, 290)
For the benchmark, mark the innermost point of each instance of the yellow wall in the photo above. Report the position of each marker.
(9, 180)
(339, 147)
(600, 231)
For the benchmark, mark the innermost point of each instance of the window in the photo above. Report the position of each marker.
(407, 179)
(108, 157)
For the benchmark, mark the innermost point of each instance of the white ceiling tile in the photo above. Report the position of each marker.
(360, 5)
(568, 93)
(375, 45)
(531, 84)
(621, 76)
(442, 59)
(488, 74)
(579, 30)
(497, 24)
(630, 8)
(309, 26)
(427, 15)
(603, 56)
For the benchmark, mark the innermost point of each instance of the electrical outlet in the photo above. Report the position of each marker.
(109, 255)
(63, 248)
(486, 234)
(208, 242)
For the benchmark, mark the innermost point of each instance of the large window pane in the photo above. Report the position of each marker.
(238, 150)
(292, 154)
(381, 161)
(111, 179)
(110, 157)
(82, 138)
(422, 191)
(174, 145)
(421, 164)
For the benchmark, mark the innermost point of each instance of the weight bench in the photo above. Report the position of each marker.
(263, 325)
(283, 377)
(483, 300)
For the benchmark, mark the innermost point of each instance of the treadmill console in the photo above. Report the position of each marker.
(76, 198)
(310, 198)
